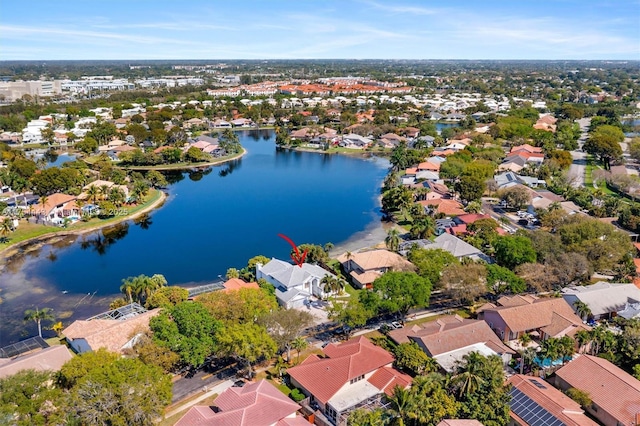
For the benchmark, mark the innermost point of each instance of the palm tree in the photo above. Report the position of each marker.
(104, 191)
(525, 339)
(331, 284)
(6, 227)
(92, 193)
(38, 315)
(584, 339)
(400, 400)
(467, 380)
(127, 288)
(551, 349)
(299, 344)
(392, 240)
(473, 207)
(528, 355)
(582, 309)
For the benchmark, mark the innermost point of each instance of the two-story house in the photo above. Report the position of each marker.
(348, 375)
(366, 266)
(294, 284)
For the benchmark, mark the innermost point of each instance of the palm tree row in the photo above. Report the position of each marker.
(140, 288)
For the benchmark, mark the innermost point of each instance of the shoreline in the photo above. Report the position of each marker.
(185, 167)
(354, 153)
(9, 252)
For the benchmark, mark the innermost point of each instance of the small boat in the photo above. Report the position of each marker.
(64, 292)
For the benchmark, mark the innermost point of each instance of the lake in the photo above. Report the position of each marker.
(213, 219)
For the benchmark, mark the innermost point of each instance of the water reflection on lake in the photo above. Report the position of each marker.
(214, 218)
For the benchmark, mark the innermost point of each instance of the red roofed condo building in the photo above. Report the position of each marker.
(349, 375)
(256, 404)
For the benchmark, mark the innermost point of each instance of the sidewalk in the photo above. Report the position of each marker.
(217, 389)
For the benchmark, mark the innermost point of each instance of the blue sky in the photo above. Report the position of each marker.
(305, 29)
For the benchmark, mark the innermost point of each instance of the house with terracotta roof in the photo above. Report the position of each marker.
(111, 332)
(535, 402)
(451, 337)
(347, 375)
(237, 284)
(547, 123)
(294, 284)
(605, 300)
(47, 359)
(615, 394)
(526, 147)
(364, 267)
(57, 207)
(445, 206)
(255, 404)
(460, 422)
(542, 318)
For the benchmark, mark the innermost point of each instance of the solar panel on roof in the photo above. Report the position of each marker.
(530, 411)
(537, 384)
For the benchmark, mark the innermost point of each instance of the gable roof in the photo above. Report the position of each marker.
(292, 275)
(110, 334)
(48, 359)
(460, 422)
(549, 399)
(323, 377)
(255, 404)
(540, 313)
(52, 201)
(448, 334)
(610, 388)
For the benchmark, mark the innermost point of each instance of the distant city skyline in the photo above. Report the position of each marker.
(332, 29)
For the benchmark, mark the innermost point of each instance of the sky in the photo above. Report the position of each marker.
(319, 29)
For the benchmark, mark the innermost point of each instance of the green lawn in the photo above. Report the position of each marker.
(28, 230)
(591, 166)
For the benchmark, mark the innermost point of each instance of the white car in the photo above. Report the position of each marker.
(396, 324)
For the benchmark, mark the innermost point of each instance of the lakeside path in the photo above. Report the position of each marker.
(13, 249)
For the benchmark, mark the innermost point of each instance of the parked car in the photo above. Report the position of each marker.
(239, 383)
(396, 324)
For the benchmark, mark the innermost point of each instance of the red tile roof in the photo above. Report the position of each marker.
(472, 217)
(237, 284)
(552, 400)
(255, 404)
(323, 378)
(443, 205)
(388, 378)
(610, 388)
(460, 422)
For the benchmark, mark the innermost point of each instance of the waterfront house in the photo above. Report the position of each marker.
(364, 267)
(615, 394)
(255, 404)
(294, 284)
(47, 359)
(56, 208)
(115, 330)
(347, 375)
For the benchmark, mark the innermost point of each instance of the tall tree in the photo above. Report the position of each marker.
(398, 292)
(247, 342)
(38, 315)
(392, 240)
(285, 326)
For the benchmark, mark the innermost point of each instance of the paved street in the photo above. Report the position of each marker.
(579, 167)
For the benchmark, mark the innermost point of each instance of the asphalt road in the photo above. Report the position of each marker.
(579, 167)
(202, 380)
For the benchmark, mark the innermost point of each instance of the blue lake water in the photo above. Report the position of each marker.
(213, 220)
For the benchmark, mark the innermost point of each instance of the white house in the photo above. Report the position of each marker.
(294, 284)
